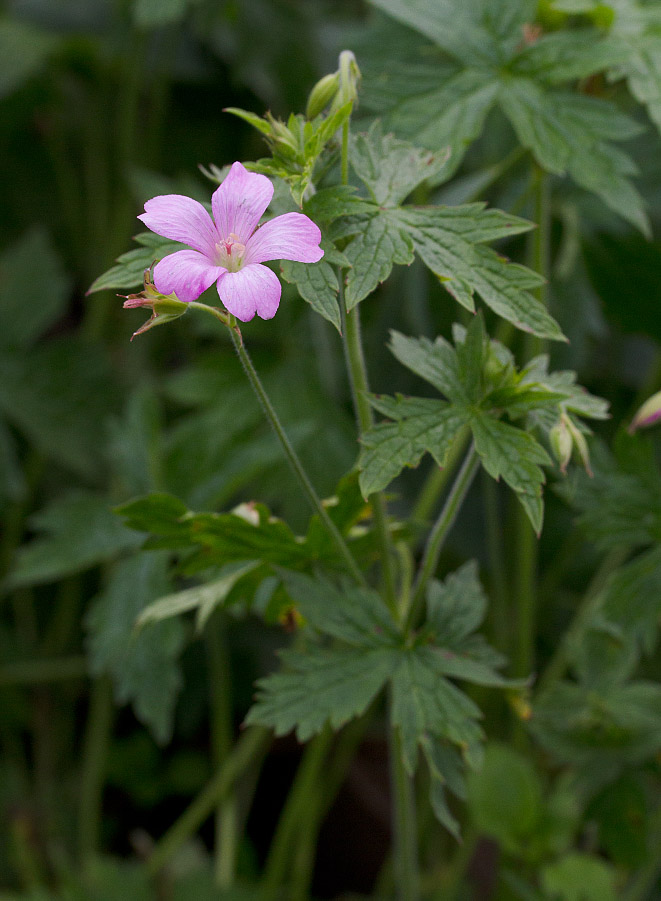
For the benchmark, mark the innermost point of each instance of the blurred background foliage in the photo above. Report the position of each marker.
(104, 734)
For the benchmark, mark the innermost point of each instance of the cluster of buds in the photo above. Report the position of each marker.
(163, 309)
(565, 438)
(337, 88)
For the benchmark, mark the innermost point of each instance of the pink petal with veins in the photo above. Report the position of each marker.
(239, 202)
(185, 273)
(181, 219)
(254, 289)
(292, 236)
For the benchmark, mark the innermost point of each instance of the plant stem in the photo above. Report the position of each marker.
(226, 839)
(526, 551)
(303, 792)
(437, 480)
(252, 743)
(591, 599)
(405, 850)
(357, 371)
(97, 736)
(440, 530)
(290, 453)
(304, 857)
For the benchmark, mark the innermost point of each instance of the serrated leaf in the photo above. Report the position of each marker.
(563, 56)
(379, 245)
(390, 168)
(516, 456)
(203, 598)
(579, 877)
(457, 606)
(318, 285)
(129, 271)
(78, 531)
(319, 687)
(388, 448)
(144, 667)
(436, 362)
(328, 204)
(567, 132)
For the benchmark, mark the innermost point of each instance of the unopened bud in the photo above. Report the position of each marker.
(322, 94)
(648, 414)
(581, 445)
(349, 78)
(561, 443)
(164, 308)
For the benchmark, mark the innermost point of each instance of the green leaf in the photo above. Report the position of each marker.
(436, 362)
(457, 606)
(379, 245)
(389, 168)
(474, 32)
(567, 132)
(143, 666)
(78, 531)
(579, 877)
(621, 813)
(600, 732)
(516, 456)
(34, 289)
(320, 686)
(203, 598)
(424, 426)
(317, 284)
(356, 616)
(637, 25)
(24, 50)
(328, 204)
(506, 798)
(155, 13)
(130, 269)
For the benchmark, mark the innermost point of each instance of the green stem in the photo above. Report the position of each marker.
(405, 850)
(591, 600)
(357, 371)
(440, 531)
(525, 548)
(496, 549)
(97, 736)
(436, 481)
(251, 745)
(290, 453)
(304, 857)
(226, 840)
(304, 791)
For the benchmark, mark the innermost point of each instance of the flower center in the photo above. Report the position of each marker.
(229, 252)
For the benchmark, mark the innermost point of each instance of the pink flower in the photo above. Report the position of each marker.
(229, 249)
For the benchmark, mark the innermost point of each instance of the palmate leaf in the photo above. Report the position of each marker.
(480, 381)
(495, 66)
(129, 270)
(448, 239)
(332, 684)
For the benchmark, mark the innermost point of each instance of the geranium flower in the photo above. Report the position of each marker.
(230, 249)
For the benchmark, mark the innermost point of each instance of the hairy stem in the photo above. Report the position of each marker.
(441, 529)
(290, 453)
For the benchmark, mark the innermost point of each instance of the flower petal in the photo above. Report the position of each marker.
(292, 236)
(253, 289)
(181, 219)
(239, 202)
(185, 273)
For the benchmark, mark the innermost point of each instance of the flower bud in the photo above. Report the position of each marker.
(349, 79)
(163, 308)
(648, 414)
(561, 443)
(322, 94)
(581, 445)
